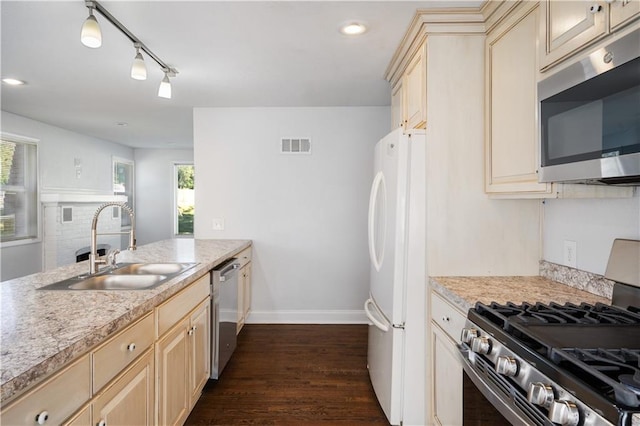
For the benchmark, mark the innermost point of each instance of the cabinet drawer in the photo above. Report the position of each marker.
(60, 396)
(446, 316)
(182, 303)
(244, 256)
(117, 353)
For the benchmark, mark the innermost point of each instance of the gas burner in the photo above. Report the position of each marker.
(554, 313)
(612, 371)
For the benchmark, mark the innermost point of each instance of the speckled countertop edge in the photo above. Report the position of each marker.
(464, 292)
(67, 324)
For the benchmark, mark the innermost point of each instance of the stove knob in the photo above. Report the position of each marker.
(564, 413)
(540, 394)
(507, 366)
(468, 334)
(481, 345)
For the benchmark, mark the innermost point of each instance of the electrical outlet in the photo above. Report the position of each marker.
(218, 224)
(569, 253)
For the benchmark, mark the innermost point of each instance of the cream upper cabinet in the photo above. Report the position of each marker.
(511, 105)
(409, 93)
(568, 26)
(397, 103)
(415, 91)
(622, 12)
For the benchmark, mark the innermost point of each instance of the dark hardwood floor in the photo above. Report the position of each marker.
(293, 375)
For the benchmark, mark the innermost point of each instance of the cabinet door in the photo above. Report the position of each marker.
(172, 360)
(569, 26)
(447, 380)
(397, 103)
(622, 12)
(247, 290)
(240, 318)
(200, 349)
(415, 91)
(512, 125)
(130, 399)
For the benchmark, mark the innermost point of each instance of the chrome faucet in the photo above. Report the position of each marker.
(94, 261)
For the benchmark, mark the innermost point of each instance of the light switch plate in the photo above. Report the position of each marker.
(218, 224)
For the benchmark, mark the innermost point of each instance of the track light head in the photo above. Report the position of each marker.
(138, 69)
(164, 91)
(91, 36)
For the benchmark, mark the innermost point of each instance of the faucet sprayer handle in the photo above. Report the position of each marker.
(111, 257)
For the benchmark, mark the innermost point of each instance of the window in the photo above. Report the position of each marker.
(18, 189)
(123, 185)
(184, 196)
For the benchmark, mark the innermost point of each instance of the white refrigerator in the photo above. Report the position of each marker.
(396, 306)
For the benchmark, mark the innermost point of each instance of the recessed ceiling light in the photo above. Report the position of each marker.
(122, 124)
(353, 28)
(13, 81)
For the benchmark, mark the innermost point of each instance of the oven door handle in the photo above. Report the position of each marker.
(488, 389)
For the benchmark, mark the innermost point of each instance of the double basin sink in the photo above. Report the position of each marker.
(124, 276)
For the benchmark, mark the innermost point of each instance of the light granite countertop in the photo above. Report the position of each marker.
(43, 330)
(464, 292)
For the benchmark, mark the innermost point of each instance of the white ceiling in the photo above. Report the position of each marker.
(228, 54)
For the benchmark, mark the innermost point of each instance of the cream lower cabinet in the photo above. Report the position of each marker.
(172, 360)
(200, 351)
(244, 287)
(182, 352)
(54, 400)
(445, 370)
(130, 399)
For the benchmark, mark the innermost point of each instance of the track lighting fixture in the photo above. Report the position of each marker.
(138, 69)
(164, 91)
(91, 36)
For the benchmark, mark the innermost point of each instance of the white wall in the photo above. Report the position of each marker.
(57, 149)
(593, 225)
(306, 214)
(154, 192)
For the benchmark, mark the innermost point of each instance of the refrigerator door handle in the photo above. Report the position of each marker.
(373, 201)
(372, 318)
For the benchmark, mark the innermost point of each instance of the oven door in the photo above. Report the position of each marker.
(483, 386)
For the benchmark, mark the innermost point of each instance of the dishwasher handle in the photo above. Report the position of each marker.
(228, 271)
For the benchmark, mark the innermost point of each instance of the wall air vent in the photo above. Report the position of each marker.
(295, 146)
(66, 215)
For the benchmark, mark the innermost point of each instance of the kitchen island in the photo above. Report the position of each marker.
(43, 331)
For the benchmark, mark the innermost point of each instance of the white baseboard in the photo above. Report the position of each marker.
(307, 317)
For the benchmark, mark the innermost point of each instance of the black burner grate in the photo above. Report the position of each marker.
(614, 372)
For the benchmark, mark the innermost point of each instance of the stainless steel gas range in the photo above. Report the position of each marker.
(552, 364)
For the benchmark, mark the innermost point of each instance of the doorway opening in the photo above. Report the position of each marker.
(184, 198)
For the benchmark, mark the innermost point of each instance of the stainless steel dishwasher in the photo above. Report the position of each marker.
(224, 315)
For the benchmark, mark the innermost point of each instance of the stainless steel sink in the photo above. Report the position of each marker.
(152, 268)
(126, 276)
(118, 282)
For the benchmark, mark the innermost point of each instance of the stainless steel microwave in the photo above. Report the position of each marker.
(590, 117)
